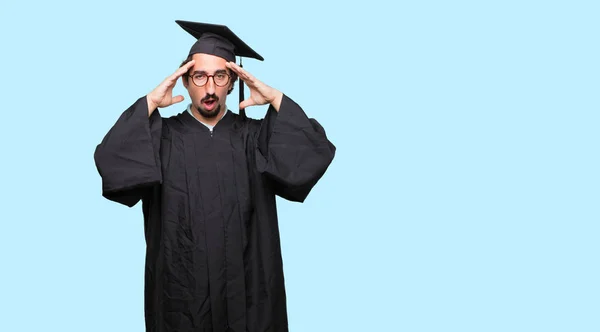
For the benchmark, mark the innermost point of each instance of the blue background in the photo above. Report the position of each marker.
(463, 196)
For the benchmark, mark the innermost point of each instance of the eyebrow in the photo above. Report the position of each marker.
(218, 71)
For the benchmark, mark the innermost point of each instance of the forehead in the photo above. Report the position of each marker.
(207, 62)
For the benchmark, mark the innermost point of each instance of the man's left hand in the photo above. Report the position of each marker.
(260, 93)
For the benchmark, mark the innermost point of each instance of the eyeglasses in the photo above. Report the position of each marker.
(220, 79)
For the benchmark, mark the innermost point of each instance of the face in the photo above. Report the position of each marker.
(209, 99)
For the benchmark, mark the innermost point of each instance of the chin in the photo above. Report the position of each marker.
(209, 114)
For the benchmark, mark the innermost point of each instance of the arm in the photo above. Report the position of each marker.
(293, 150)
(128, 158)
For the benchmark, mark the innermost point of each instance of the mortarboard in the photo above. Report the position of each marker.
(220, 41)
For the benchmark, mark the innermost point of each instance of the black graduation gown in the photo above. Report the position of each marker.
(213, 257)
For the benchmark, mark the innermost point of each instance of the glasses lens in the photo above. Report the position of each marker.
(200, 79)
(221, 79)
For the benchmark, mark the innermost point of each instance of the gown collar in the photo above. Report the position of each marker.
(191, 121)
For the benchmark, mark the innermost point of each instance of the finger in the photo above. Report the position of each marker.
(234, 68)
(249, 79)
(248, 83)
(241, 72)
(177, 99)
(251, 82)
(247, 103)
(184, 69)
(232, 65)
(169, 89)
(166, 86)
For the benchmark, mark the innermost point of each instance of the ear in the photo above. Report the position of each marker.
(184, 79)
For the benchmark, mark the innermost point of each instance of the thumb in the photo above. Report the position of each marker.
(177, 99)
(247, 103)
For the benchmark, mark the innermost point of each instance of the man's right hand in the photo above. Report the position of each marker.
(162, 95)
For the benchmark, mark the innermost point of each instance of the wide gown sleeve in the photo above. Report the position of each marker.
(293, 150)
(128, 158)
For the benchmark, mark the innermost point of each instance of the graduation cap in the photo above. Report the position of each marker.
(220, 41)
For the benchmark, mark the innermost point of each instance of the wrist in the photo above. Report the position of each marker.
(276, 100)
(151, 105)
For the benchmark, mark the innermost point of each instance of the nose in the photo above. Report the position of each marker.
(210, 86)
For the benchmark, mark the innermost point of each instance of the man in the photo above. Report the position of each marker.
(207, 179)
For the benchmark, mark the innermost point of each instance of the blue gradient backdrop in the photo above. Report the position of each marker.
(463, 197)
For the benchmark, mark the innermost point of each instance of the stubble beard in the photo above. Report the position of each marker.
(209, 114)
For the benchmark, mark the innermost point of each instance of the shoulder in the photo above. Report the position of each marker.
(174, 124)
(245, 123)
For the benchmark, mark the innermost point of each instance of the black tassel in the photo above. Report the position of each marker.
(242, 111)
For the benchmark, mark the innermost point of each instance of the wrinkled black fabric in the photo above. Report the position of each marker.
(213, 257)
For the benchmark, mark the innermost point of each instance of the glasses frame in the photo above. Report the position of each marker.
(208, 77)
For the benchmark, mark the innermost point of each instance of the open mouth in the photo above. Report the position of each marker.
(209, 104)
